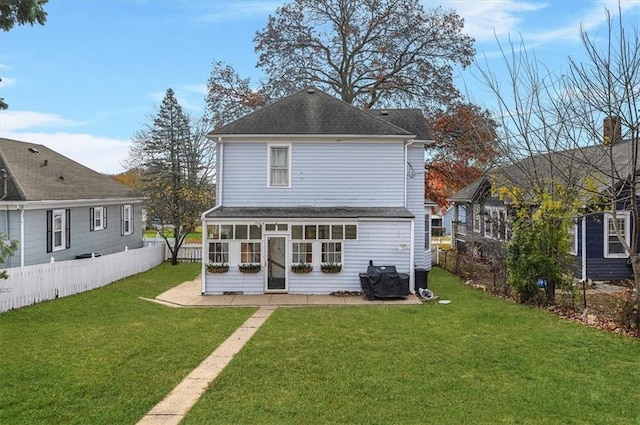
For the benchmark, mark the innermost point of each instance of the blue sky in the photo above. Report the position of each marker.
(84, 83)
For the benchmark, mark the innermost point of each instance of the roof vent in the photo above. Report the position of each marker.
(33, 150)
(311, 90)
(46, 162)
(384, 112)
(61, 177)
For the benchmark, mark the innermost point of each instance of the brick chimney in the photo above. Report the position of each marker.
(612, 130)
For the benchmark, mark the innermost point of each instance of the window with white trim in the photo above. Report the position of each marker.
(301, 253)
(250, 252)
(127, 220)
(97, 218)
(58, 230)
(332, 252)
(613, 247)
(219, 252)
(279, 166)
(573, 239)
(477, 218)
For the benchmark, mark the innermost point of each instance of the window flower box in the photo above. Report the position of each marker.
(331, 267)
(301, 268)
(217, 268)
(249, 267)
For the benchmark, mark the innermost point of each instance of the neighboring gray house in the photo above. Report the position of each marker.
(55, 207)
(310, 181)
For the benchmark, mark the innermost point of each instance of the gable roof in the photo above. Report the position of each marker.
(412, 120)
(37, 173)
(311, 112)
(597, 162)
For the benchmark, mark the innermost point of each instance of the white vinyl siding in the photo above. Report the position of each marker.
(321, 174)
(613, 247)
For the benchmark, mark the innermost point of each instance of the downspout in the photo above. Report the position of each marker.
(584, 248)
(219, 173)
(412, 261)
(21, 208)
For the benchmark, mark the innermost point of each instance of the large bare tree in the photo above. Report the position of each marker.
(367, 52)
(575, 138)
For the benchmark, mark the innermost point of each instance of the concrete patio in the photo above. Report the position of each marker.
(188, 294)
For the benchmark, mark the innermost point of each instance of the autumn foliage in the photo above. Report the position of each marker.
(465, 148)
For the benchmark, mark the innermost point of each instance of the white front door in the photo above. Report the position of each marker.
(276, 276)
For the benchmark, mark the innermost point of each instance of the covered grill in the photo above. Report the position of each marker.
(384, 282)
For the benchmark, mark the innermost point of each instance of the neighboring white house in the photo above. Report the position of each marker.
(57, 208)
(312, 182)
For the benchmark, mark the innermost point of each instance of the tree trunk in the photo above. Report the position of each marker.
(635, 265)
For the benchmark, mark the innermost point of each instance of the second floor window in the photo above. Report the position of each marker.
(279, 167)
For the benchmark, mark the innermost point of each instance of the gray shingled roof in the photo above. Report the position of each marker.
(311, 111)
(412, 120)
(569, 167)
(310, 212)
(37, 173)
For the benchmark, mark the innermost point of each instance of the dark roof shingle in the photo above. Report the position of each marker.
(311, 111)
(37, 173)
(310, 212)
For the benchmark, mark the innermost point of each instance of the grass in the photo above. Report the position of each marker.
(192, 237)
(104, 356)
(478, 360)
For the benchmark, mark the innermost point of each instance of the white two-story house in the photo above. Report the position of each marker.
(310, 189)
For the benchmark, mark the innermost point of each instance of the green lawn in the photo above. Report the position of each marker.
(107, 357)
(479, 360)
(104, 356)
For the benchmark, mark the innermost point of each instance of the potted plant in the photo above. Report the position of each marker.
(249, 267)
(331, 267)
(217, 267)
(301, 267)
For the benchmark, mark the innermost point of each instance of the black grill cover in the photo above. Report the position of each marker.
(384, 282)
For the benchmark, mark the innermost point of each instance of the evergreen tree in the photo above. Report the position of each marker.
(176, 175)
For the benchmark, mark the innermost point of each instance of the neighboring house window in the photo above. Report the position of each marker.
(461, 225)
(250, 252)
(127, 219)
(496, 225)
(58, 230)
(279, 166)
(427, 231)
(332, 252)
(301, 252)
(573, 239)
(613, 247)
(477, 217)
(97, 218)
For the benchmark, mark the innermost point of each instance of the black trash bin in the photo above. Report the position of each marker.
(421, 279)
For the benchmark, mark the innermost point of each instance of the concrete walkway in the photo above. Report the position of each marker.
(173, 408)
(188, 294)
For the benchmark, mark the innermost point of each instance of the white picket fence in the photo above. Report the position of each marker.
(33, 284)
(191, 252)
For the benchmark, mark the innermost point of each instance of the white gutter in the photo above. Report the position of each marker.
(205, 248)
(584, 249)
(21, 236)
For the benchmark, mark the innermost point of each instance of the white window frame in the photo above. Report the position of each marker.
(625, 215)
(223, 253)
(297, 253)
(573, 237)
(63, 245)
(127, 228)
(98, 216)
(477, 218)
(270, 148)
(334, 252)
